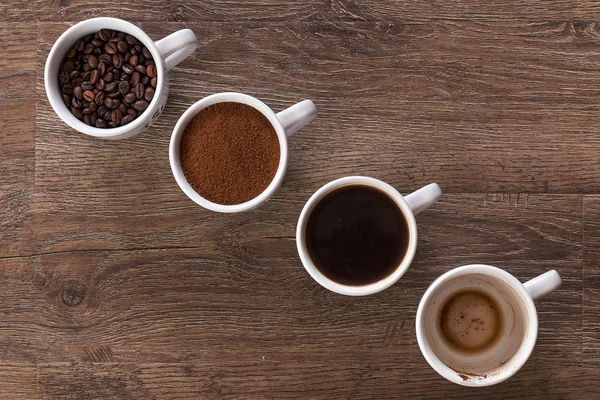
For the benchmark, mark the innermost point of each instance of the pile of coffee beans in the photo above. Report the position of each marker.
(107, 79)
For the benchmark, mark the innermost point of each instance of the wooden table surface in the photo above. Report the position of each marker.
(114, 285)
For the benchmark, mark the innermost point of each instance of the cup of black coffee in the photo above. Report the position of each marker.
(357, 235)
(106, 78)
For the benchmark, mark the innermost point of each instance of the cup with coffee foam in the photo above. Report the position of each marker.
(477, 324)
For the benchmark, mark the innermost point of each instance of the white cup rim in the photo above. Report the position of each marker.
(186, 118)
(73, 34)
(364, 289)
(516, 361)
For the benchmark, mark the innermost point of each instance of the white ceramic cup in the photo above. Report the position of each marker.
(285, 123)
(410, 205)
(517, 339)
(167, 53)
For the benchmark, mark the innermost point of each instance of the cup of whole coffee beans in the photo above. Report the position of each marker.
(106, 78)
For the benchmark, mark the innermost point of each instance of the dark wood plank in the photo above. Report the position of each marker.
(410, 106)
(160, 10)
(591, 281)
(18, 46)
(241, 288)
(348, 10)
(315, 377)
(18, 381)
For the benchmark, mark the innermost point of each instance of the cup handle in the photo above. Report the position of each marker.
(423, 198)
(177, 47)
(543, 284)
(297, 116)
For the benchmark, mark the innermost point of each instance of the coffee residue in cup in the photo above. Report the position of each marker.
(229, 153)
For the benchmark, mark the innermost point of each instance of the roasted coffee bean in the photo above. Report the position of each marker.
(128, 69)
(88, 95)
(97, 43)
(100, 85)
(80, 45)
(105, 58)
(151, 71)
(89, 48)
(101, 68)
(129, 98)
(117, 60)
(94, 77)
(76, 112)
(124, 87)
(104, 34)
(92, 60)
(106, 72)
(75, 102)
(99, 99)
(139, 91)
(122, 47)
(63, 78)
(140, 105)
(141, 69)
(149, 94)
(72, 53)
(127, 119)
(68, 66)
(110, 87)
(110, 48)
(67, 89)
(116, 117)
(135, 78)
(78, 92)
(131, 40)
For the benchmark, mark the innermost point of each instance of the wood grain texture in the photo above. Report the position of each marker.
(113, 285)
(316, 377)
(269, 10)
(591, 281)
(18, 46)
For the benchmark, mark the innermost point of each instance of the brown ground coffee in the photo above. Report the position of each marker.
(229, 153)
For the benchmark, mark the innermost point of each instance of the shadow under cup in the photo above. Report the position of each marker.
(495, 363)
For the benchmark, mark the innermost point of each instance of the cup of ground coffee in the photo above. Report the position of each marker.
(229, 152)
(106, 78)
(357, 235)
(477, 324)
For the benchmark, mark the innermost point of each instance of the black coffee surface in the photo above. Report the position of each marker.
(357, 235)
(471, 322)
